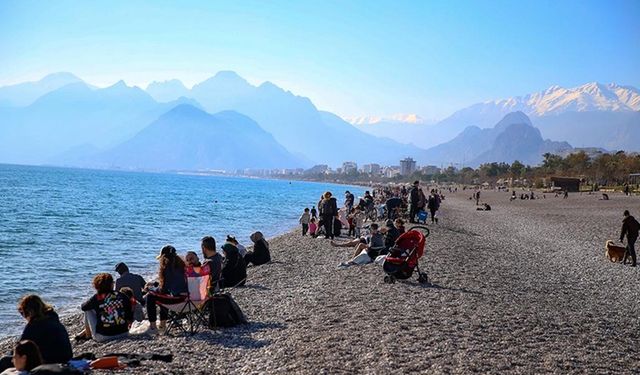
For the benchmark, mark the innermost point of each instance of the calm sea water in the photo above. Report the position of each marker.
(59, 227)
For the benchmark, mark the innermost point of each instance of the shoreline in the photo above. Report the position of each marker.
(499, 302)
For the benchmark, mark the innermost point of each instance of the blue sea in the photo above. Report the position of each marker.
(60, 226)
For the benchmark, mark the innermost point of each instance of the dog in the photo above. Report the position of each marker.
(615, 253)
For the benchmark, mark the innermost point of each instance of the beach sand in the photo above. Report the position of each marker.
(524, 288)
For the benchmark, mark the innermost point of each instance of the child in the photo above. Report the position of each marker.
(352, 224)
(313, 227)
(138, 314)
(304, 220)
(314, 213)
(358, 221)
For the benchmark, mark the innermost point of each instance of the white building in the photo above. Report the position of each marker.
(349, 167)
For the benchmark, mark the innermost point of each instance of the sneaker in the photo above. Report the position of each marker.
(343, 265)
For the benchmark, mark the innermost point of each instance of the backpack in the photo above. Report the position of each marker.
(224, 312)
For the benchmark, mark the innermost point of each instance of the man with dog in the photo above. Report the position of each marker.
(630, 228)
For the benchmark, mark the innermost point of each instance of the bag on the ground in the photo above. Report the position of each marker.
(224, 312)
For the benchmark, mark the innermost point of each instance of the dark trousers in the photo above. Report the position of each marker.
(305, 228)
(433, 215)
(413, 211)
(328, 226)
(631, 250)
(167, 299)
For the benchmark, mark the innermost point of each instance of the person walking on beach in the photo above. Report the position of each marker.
(414, 201)
(630, 228)
(328, 212)
(433, 204)
(477, 197)
(304, 220)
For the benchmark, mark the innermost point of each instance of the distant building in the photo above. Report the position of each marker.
(430, 169)
(318, 169)
(371, 168)
(407, 166)
(566, 183)
(349, 167)
(391, 172)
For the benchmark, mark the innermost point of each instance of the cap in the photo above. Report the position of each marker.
(167, 250)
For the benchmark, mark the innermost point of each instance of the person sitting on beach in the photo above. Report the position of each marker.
(366, 249)
(192, 263)
(108, 313)
(136, 307)
(234, 268)
(212, 264)
(260, 254)
(391, 232)
(26, 357)
(241, 249)
(313, 227)
(44, 328)
(130, 280)
(172, 286)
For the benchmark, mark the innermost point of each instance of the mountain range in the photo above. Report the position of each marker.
(591, 115)
(225, 122)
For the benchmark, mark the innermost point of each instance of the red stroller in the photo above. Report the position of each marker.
(403, 257)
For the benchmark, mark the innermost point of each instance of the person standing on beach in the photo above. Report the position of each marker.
(328, 212)
(314, 213)
(304, 220)
(630, 228)
(477, 197)
(414, 201)
(433, 204)
(349, 198)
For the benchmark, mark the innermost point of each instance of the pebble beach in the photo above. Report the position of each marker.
(523, 288)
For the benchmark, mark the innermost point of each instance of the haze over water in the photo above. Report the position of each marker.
(59, 227)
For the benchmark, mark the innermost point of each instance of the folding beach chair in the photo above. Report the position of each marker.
(190, 315)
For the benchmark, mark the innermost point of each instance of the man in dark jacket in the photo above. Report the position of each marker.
(328, 212)
(414, 201)
(630, 228)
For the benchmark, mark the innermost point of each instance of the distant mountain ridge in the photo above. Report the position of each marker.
(187, 138)
(513, 138)
(24, 94)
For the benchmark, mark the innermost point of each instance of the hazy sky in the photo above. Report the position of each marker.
(353, 58)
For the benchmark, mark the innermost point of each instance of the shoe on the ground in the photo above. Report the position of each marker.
(343, 265)
(81, 337)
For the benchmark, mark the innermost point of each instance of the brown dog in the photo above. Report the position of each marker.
(615, 253)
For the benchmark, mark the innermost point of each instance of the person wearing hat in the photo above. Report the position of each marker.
(630, 228)
(172, 283)
(130, 280)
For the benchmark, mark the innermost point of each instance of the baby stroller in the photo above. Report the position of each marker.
(404, 255)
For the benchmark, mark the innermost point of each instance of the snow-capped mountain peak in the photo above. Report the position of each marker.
(592, 96)
(410, 118)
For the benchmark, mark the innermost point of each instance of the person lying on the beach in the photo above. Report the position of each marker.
(366, 248)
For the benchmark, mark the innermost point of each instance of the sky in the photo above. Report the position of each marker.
(353, 58)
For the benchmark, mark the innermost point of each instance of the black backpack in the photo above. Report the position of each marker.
(224, 312)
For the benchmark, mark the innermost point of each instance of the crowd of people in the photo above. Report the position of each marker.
(116, 304)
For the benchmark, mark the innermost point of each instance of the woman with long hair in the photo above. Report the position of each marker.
(172, 286)
(44, 329)
(26, 357)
